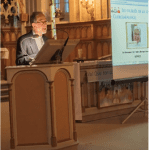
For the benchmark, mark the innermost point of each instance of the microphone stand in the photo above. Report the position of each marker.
(58, 54)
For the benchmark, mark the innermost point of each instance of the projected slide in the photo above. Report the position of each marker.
(129, 24)
(136, 35)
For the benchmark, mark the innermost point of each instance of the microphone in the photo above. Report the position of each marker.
(58, 54)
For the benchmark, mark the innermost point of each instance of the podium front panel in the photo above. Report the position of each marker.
(41, 107)
(62, 106)
(30, 109)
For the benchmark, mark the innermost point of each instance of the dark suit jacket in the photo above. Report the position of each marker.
(26, 48)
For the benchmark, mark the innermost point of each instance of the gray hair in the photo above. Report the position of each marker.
(33, 17)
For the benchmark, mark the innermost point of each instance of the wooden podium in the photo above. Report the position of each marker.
(42, 113)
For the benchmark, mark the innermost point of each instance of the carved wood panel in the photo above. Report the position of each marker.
(9, 38)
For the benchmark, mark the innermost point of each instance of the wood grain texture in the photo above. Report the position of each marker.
(30, 109)
(62, 106)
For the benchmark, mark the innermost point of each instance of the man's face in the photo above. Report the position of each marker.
(136, 36)
(40, 26)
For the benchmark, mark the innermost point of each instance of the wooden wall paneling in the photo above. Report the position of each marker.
(105, 48)
(84, 33)
(108, 26)
(101, 26)
(84, 50)
(109, 30)
(8, 61)
(72, 33)
(69, 32)
(13, 56)
(90, 50)
(7, 36)
(99, 49)
(13, 36)
(18, 34)
(59, 34)
(94, 51)
(78, 33)
(110, 47)
(75, 32)
(73, 55)
(89, 32)
(98, 31)
(105, 31)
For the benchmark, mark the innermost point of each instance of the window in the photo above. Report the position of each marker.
(66, 4)
(57, 3)
(63, 5)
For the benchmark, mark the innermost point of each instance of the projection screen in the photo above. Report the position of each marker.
(129, 25)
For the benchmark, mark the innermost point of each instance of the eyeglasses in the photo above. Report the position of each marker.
(42, 23)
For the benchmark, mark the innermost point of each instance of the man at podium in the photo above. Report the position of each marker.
(28, 45)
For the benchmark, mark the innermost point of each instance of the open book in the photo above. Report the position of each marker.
(51, 46)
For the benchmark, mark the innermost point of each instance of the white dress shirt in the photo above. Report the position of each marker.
(39, 41)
